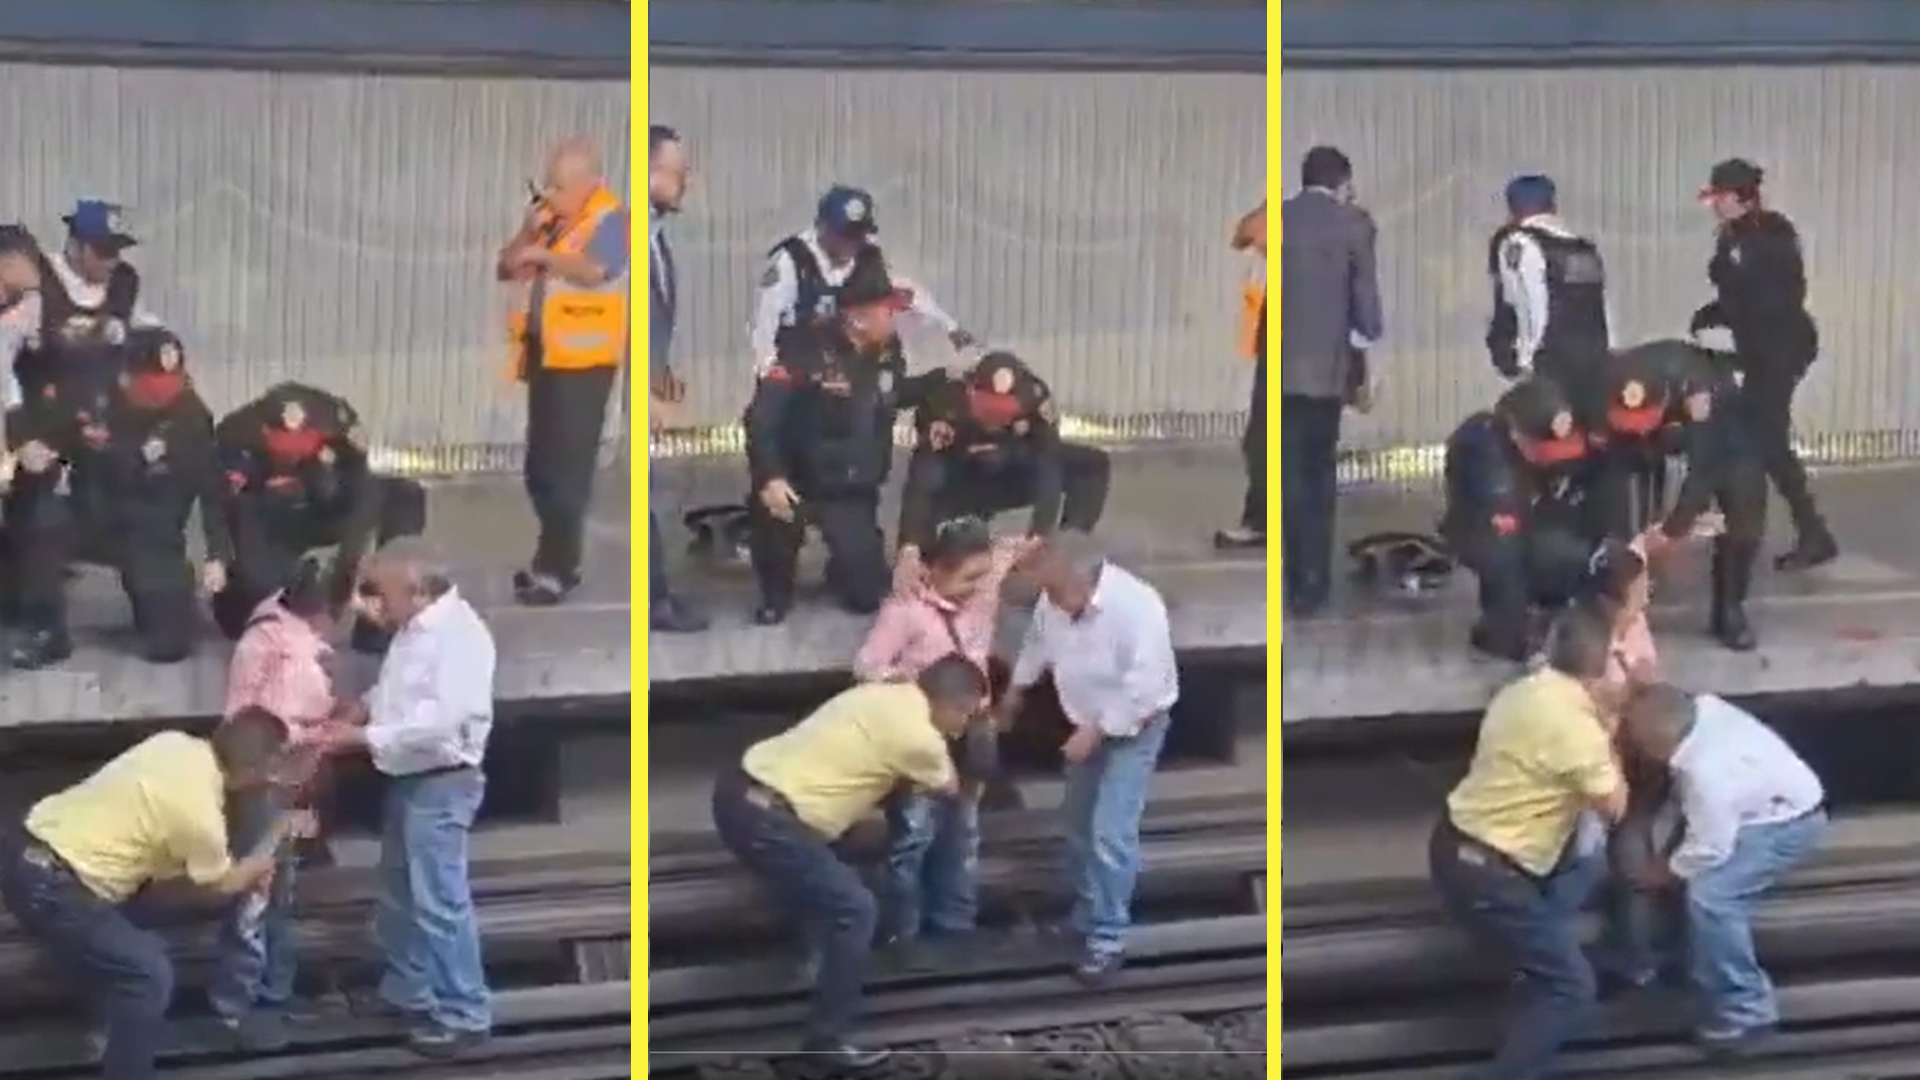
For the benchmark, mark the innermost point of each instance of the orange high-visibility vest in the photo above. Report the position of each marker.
(1253, 314)
(580, 328)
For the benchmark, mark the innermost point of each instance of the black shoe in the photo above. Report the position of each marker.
(672, 615)
(1241, 539)
(770, 614)
(1732, 1045)
(1815, 548)
(1731, 628)
(1097, 969)
(442, 1043)
(542, 589)
(39, 649)
(843, 1054)
(1306, 606)
(261, 1031)
(369, 1005)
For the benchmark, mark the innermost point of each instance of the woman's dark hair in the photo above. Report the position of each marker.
(956, 541)
(1611, 572)
(305, 593)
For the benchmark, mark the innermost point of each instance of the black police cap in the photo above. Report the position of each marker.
(1734, 176)
(155, 350)
(1000, 372)
(1536, 407)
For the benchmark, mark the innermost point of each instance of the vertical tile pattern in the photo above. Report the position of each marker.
(1629, 148)
(337, 229)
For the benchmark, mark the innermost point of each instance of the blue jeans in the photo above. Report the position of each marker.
(1535, 922)
(425, 924)
(123, 970)
(1737, 997)
(1105, 796)
(833, 907)
(257, 959)
(934, 866)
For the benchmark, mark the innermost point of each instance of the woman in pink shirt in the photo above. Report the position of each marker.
(1619, 587)
(954, 607)
(279, 667)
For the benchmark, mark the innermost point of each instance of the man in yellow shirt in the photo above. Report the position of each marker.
(155, 814)
(1511, 858)
(797, 792)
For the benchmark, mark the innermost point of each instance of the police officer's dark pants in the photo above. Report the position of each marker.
(1310, 447)
(1767, 397)
(1629, 489)
(1635, 944)
(1086, 477)
(1253, 450)
(1539, 568)
(857, 572)
(152, 563)
(824, 895)
(657, 587)
(1534, 922)
(123, 970)
(1742, 498)
(565, 413)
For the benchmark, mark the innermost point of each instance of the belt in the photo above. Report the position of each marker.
(41, 857)
(1481, 853)
(443, 770)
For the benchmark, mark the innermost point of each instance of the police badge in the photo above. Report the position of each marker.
(1562, 425)
(856, 210)
(77, 327)
(114, 331)
(1633, 395)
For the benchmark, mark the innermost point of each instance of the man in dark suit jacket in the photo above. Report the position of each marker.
(666, 187)
(1331, 317)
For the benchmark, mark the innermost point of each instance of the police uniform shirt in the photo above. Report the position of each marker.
(1522, 278)
(86, 294)
(780, 291)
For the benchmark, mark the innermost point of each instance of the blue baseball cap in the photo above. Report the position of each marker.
(1528, 195)
(847, 211)
(99, 223)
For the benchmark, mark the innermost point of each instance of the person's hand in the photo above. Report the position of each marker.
(1362, 398)
(213, 577)
(8, 464)
(303, 824)
(1080, 745)
(37, 457)
(908, 571)
(939, 435)
(350, 713)
(780, 499)
(1006, 712)
(1655, 541)
(961, 339)
(529, 257)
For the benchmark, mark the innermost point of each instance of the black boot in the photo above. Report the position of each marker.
(1732, 577)
(37, 649)
(1814, 547)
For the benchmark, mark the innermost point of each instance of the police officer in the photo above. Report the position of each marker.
(806, 269)
(989, 441)
(820, 444)
(1760, 285)
(297, 479)
(1517, 513)
(1689, 393)
(20, 261)
(111, 476)
(1549, 291)
(88, 295)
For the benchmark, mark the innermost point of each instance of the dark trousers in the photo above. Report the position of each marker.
(1542, 566)
(963, 491)
(47, 534)
(565, 412)
(1253, 450)
(823, 894)
(1534, 923)
(1767, 397)
(1310, 445)
(123, 970)
(657, 589)
(857, 572)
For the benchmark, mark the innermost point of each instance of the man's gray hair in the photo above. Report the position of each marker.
(1661, 711)
(420, 562)
(1081, 554)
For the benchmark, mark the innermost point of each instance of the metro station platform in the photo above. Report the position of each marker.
(574, 653)
(1854, 623)
(1166, 503)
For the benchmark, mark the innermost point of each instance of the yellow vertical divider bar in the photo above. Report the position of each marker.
(1276, 618)
(637, 465)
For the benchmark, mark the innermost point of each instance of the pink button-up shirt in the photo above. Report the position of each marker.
(912, 630)
(280, 665)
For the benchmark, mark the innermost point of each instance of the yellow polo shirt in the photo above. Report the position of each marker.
(839, 764)
(1542, 756)
(157, 811)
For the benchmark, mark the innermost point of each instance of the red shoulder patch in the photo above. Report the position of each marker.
(1506, 524)
(778, 373)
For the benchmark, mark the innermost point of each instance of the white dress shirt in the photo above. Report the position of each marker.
(1731, 772)
(780, 290)
(1113, 666)
(432, 707)
(1523, 284)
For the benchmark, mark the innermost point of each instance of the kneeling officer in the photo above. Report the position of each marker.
(113, 464)
(820, 444)
(1517, 512)
(297, 479)
(990, 441)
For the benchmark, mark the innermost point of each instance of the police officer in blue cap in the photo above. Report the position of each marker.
(89, 296)
(806, 270)
(1549, 292)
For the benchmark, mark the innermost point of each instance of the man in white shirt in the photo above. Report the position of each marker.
(1103, 634)
(1752, 809)
(425, 725)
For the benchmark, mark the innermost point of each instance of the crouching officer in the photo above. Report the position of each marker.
(820, 445)
(989, 441)
(1688, 396)
(111, 479)
(297, 479)
(1517, 513)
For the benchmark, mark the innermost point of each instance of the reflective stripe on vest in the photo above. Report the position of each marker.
(581, 328)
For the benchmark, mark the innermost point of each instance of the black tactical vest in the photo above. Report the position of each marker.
(814, 301)
(841, 441)
(72, 334)
(1576, 294)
